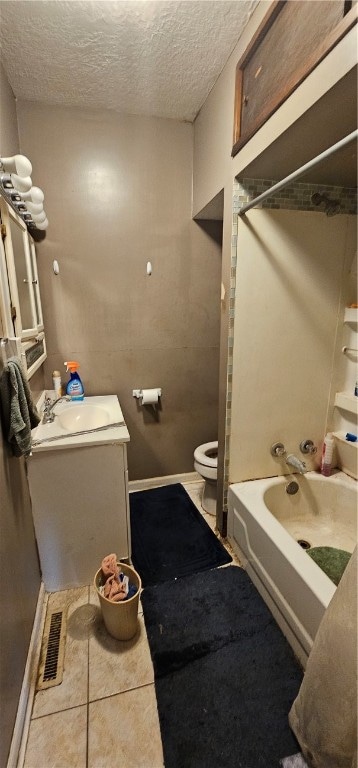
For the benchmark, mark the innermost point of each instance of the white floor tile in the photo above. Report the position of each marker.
(58, 740)
(124, 731)
(116, 665)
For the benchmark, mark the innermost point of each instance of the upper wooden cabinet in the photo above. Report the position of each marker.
(291, 40)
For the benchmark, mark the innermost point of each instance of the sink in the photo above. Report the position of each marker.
(81, 417)
(73, 423)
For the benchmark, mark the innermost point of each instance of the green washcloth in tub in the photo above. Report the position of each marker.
(331, 560)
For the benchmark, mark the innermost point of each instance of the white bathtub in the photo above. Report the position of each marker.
(264, 523)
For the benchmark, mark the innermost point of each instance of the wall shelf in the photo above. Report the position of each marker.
(347, 454)
(346, 401)
(351, 315)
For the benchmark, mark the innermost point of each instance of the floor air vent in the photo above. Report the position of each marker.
(53, 650)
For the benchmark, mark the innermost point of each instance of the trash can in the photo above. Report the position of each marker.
(120, 619)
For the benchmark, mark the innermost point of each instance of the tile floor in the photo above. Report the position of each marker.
(104, 712)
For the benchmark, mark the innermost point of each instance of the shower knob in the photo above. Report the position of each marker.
(308, 446)
(278, 449)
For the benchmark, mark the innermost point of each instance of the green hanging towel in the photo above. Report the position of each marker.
(19, 414)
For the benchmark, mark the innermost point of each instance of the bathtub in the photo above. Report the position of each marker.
(264, 524)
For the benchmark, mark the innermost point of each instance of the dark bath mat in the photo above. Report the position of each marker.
(331, 560)
(225, 676)
(170, 537)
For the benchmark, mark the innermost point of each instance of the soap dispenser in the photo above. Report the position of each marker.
(74, 386)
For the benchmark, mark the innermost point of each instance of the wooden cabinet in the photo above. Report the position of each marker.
(292, 39)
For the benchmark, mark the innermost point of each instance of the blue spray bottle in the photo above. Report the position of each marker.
(74, 387)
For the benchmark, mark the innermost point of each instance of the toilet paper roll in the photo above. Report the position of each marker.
(149, 396)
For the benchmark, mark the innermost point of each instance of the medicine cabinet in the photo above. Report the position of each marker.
(20, 301)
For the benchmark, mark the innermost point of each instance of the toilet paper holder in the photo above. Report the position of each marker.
(139, 392)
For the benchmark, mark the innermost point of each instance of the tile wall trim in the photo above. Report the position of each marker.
(294, 197)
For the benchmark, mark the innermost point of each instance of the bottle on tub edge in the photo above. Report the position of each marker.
(327, 455)
(74, 386)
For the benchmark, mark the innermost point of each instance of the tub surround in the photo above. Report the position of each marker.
(257, 317)
(295, 589)
(286, 318)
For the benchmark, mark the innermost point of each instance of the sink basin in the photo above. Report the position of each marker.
(74, 423)
(82, 417)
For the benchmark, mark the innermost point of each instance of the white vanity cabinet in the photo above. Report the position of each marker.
(79, 495)
(20, 301)
(80, 508)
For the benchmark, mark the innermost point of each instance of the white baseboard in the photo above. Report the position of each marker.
(23, 716)
(153, 482)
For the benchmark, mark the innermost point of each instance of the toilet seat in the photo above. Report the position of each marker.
(207, 466)
(201, 454)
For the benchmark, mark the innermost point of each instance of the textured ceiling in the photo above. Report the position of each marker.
(147, 57)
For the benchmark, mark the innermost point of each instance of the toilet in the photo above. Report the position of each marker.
(206, 464)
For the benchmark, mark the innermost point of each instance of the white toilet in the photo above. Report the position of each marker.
(206, 464)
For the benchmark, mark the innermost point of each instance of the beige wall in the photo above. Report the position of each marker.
(118, 194)
(291, 265)
(9, 136)
(20, 578)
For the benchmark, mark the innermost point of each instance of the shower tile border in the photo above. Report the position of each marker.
(296, 196)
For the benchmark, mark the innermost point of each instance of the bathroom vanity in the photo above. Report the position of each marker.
(79, 490)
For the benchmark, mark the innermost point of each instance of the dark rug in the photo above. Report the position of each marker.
(225, 676)
(170, 537)
(331, 560)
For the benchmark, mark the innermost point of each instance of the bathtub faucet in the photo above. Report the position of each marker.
(299, 465)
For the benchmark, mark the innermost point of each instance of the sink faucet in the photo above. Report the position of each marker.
(48, 414)
(293, 461)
